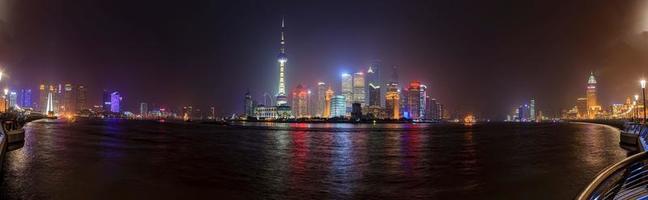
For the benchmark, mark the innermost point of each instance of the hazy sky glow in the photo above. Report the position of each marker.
(475, 56)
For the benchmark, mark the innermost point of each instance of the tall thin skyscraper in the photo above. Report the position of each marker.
(423, 102)
(68, 99)
(392, 101)
(532, 110)
(327, 107)
(106, 101)
(82, 98)
(300, 102)
(374, 78)
(282, 58)
(414, 100)
(359, 88)
(374, 95)
(42, 98)
(115, 102)
(320, 99)
(144, 110)
(347, 89)
(592, 100)
(248, 105)
(25, 99)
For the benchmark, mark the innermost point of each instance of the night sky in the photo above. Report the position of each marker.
(476, 56)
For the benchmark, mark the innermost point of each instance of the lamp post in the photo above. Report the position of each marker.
(6, 92)
(643, 92)
(636, 112)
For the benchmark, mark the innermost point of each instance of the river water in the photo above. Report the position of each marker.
(152, 160)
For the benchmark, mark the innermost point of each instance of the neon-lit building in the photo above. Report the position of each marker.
(282, 59)
(300, 102)
(392, 101)
(374, 95)
(347, 89)
(338, 106)
(359, 88)
(593, 108)
(320, 100)
(115, 102)
(414, 100)
(328, 98)
(25, 98)
(82, 98)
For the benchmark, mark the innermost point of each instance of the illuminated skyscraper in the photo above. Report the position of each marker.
(248, 105)
(115, 102)
(392, 101)
(68, 99)
(581, 107)
(414, 100)
(300, 102)
(13, 99)
(327, 104)
(320, 100)
(25, 98)
(106, 101)
(144, 110)
(374, 78)
(82, 98)
(592, 101)
(282, 58)
(338, 106)
(423, 102)
(347, 89)
(532, 110)
(42, 98)
(359, 89)
(374, 95)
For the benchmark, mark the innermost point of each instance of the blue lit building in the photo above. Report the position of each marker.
(25, 98)
(338, 106)
(115, 102)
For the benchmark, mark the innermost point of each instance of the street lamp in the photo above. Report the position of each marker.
(643, 92)
(636, 115)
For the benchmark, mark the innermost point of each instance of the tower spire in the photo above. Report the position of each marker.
(282, 58)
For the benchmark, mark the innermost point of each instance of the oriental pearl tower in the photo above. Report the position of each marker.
(282, 58)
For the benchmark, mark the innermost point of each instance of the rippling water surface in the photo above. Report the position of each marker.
(134, 159)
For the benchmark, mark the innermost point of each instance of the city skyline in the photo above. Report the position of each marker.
(229, 55)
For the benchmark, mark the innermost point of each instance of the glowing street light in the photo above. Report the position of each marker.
(643, 92)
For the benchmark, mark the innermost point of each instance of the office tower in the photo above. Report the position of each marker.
(338, 106)
(320, 100)
(394, 75)
(248, 105)
(282, 58)
(327, 105)
(524, 113)
(42, 98)
(374, 77)
(423, 101)
(82, 98)
(434, 109)
(581, 107)
(592, 100)
(356, 111)
(115, 102)
(68, 103)
(13, 99)
(532, 111)
(25, 98)
(404, 103)
(106, 101)
(347, 89)
(57, 97)
(414, 100)
(300, 102)
(144, 110)
(392, 101)
(359, 89)
(374, 95)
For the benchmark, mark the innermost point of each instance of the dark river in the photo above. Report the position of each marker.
(151, 160)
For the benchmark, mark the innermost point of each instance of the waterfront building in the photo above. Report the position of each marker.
(115, 102)
(42, 98)
(13, 99)
(266, 112)
(374, 78)
(300, 102)
(248, 105)
(25, 98)
(68, 99)
(144, 110)
(422, 102)
(524, 113)
(282, 59)
(106, 101)
(359, 88)
(392, 101)
(320, 100)
(82, 98)
(328, 99)
(435, 109)
(532, 110)
(404, 103)
(356, 111)
(347, 89)
(374, 95)
(581, 108)
(338, 106)
(593, 108)
(414, 100)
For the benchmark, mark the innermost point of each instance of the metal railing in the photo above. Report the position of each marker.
(626, 179)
